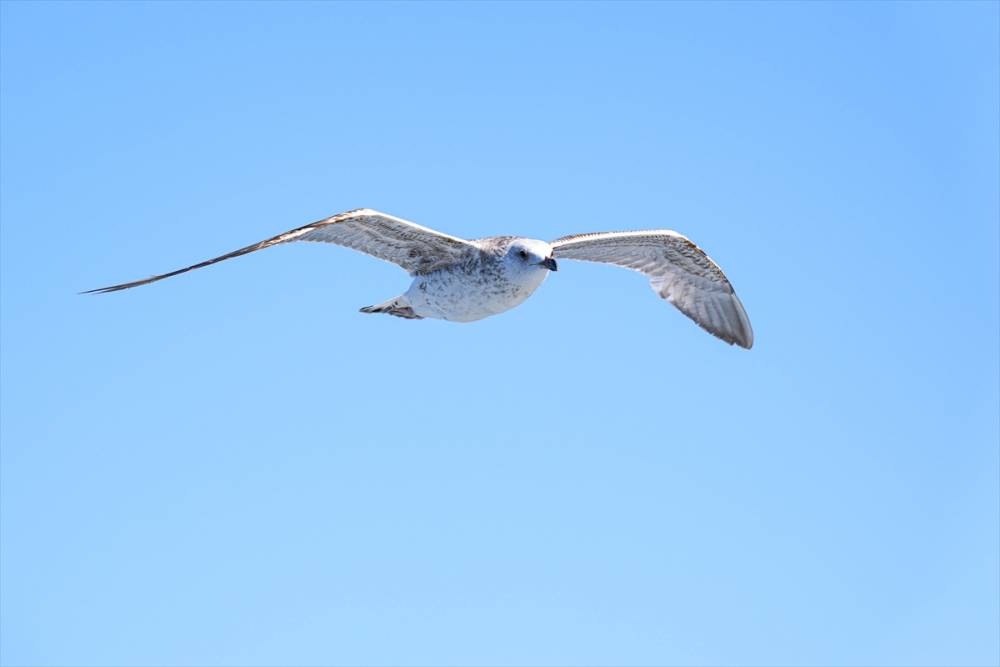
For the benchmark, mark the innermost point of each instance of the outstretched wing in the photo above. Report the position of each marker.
(678, 271)
(417, 249)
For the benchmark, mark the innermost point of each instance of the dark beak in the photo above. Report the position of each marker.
(550, 263)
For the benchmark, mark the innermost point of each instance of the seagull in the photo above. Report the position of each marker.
(463, 280)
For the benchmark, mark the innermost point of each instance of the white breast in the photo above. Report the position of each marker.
(457, 295)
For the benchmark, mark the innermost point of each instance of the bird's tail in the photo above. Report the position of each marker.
(397, 306)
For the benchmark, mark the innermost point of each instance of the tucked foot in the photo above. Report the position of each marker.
(396, 307)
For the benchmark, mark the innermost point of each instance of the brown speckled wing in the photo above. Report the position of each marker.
(678, 271)
(417, 249)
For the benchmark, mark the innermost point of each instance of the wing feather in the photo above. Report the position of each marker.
(678, 271)
(417, 249)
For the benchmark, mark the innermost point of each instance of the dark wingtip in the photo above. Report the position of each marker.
(101, 290)
(118, 288)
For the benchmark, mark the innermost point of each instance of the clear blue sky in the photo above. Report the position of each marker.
(236, 467)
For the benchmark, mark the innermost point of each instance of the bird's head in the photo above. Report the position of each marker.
(527, 256)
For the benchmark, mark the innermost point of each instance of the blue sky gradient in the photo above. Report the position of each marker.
(236, 467)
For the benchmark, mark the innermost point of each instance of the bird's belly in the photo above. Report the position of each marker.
(457, 299)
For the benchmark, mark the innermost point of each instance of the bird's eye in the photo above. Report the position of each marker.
(523, 254)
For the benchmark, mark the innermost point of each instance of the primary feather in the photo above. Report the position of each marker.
(678, 271)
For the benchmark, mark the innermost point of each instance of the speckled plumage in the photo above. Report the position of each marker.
(465, 280)
(482, 283)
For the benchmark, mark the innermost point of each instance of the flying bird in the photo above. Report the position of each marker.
(466, 280)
